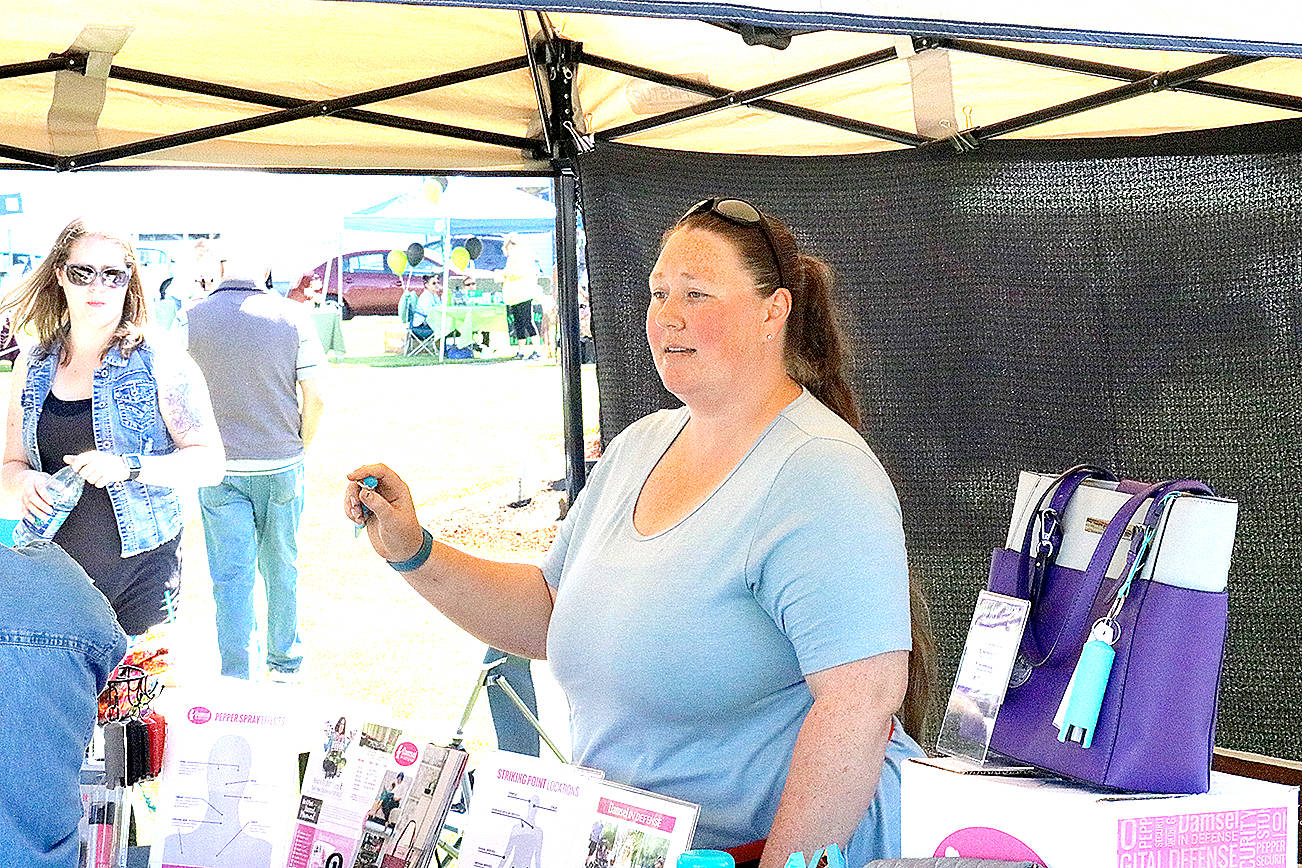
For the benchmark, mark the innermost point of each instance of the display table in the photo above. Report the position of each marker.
(329, 322)
(469, 319)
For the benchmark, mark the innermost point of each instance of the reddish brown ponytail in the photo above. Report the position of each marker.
(816, 356)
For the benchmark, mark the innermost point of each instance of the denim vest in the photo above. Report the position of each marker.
(126, 419)
(59, 642)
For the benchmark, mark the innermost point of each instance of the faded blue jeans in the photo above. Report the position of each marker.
(250, 523)
(59, 643)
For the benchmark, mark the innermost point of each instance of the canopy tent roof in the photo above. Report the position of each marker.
(471, 208)
(448, 85)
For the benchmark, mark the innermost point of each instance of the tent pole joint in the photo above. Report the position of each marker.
(559, 61)
(72, 60)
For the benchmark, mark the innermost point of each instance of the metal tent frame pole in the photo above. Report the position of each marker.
(1237, 93)
(1153, 84)
(556, 111)
(852, 125)
(571, 347)
(558, 61)
(752, 95)
(288, 110)
(557, 143)
(271, 100)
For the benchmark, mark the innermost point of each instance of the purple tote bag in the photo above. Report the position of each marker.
(1156, 727)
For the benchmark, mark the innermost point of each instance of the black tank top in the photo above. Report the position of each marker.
(138, 587)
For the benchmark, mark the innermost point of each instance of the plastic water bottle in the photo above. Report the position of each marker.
(63, 492)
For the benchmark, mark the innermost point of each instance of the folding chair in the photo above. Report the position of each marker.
(449, 844)
(413, 343)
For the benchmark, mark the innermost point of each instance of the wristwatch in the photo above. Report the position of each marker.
(133, 466)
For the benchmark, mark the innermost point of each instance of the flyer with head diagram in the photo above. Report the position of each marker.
(229, 777)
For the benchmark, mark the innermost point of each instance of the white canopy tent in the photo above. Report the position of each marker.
(448, 85)
(502, 86)
(523, 85)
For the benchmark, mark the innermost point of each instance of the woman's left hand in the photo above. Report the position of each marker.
(99, 468)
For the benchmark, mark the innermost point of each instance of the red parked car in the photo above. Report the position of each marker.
(368, 285)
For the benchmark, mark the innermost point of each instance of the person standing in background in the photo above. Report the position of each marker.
(261, 357)
(130, 414)
(519, 288)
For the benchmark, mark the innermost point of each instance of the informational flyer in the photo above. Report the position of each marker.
(529, 813)
(229, 777)
(637, 829)
(983, 675)
(371, 796)
(404, 823)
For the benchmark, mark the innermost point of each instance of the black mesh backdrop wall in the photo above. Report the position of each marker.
(1136, 303)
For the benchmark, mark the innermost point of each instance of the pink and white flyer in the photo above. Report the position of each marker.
(636, 828)
(359, 776)
(229, 778)
(527, 812)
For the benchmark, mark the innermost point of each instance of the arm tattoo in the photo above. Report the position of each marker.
(180, 410)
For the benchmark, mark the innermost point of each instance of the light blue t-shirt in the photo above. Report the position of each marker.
(683, 653)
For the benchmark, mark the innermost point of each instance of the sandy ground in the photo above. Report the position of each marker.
(469, 439)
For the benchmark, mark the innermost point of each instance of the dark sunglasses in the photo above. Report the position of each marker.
(741, 213)
(85, 275)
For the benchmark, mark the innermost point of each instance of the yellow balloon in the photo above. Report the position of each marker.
(460, 257)
(397, 261)
(433, 191)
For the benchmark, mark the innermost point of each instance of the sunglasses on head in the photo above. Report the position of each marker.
(739, 212)
(111, 276)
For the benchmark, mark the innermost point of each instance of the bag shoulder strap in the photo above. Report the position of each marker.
(1034, 566)
(1075, 623)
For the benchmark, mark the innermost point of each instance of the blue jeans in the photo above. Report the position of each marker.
(59, 642)
(251, 522)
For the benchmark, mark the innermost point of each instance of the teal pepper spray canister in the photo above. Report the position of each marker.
(706, 859)
(1089, 682)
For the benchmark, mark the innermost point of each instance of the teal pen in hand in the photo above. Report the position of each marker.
(369, 484)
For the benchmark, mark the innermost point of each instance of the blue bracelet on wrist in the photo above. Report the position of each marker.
(421, 556)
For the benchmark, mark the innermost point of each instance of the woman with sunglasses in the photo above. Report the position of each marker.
(131, 417)
(727, 604)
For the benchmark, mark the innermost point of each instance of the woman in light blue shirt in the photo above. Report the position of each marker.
(727, 605)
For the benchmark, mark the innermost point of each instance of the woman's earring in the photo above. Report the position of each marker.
(768, 337)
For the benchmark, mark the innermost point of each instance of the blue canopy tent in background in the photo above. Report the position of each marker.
(461, 209)
(470, 209)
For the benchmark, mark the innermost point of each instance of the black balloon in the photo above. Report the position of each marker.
(415, 253)
(474, 247)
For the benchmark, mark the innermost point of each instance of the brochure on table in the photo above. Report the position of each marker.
(374, 794)
(527, 812)
(951, 808)
(634, 827)
(371, 795)
(230, 775)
